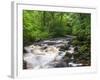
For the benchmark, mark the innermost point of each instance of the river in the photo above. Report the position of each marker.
(50, 53)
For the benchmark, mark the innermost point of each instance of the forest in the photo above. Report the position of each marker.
(46, 25)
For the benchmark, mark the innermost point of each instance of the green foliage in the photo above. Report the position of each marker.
(75, 42)
(37, 23)
(83, 49)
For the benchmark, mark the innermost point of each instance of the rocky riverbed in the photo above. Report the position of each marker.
(52, 53)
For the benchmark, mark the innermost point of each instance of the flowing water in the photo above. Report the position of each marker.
(50, 54)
